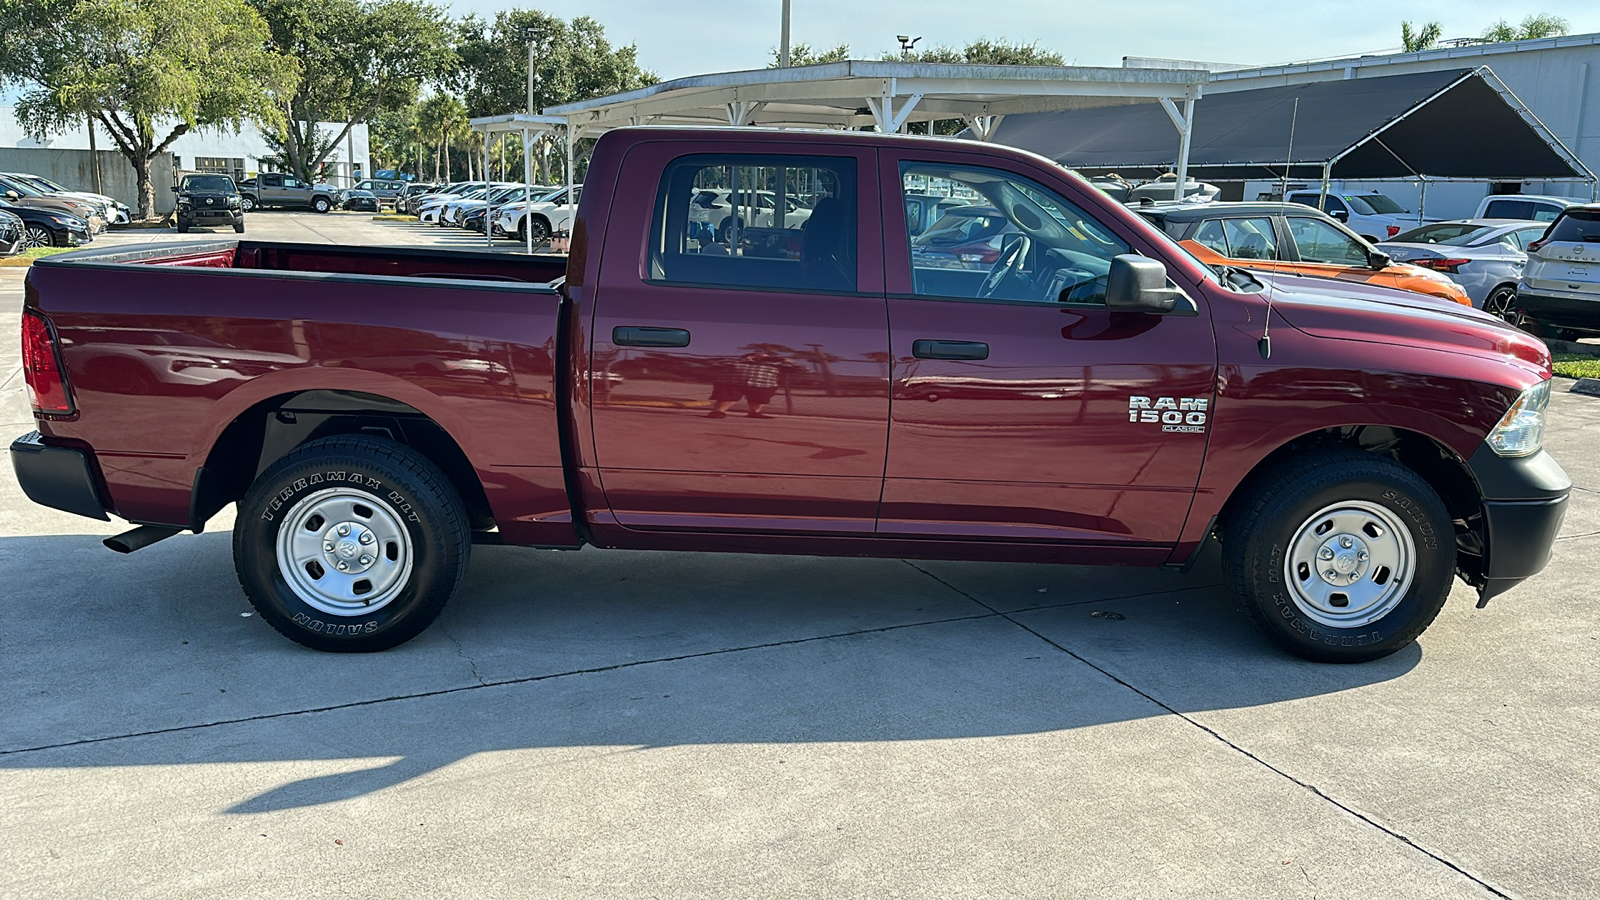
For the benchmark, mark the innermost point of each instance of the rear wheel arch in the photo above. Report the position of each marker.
(273, 428)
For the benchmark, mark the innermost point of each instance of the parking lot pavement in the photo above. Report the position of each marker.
(338, 227)
(645, 724)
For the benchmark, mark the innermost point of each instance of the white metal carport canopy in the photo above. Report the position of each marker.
(887, 95)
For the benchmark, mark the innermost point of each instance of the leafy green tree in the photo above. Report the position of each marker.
(393, 139)
(442, 118)
(148, 71)
(572, 61)
(356, 57)
(1414, 40)
(1539, 25)
(984, 52)
(803, 54)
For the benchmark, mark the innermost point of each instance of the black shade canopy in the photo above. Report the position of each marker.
(1460, 124)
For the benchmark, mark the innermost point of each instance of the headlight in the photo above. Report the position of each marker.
(1521, 430)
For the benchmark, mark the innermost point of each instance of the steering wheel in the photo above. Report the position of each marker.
(1009, 262)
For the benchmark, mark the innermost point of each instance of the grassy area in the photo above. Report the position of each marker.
(26, 257)
(1574, 365)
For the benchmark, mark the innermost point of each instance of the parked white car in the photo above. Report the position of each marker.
(713, 208)
(1560, 291)
(544, 216)
(1375, 217)
(498, 192)
(1533, 207)
(1484, 256)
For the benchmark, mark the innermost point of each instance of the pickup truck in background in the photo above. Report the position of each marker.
(1091, 395)
(286, 191)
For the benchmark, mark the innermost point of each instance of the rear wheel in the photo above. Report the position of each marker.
(351, 544)
(1341, 556)
(247, 203)
(1502, 302)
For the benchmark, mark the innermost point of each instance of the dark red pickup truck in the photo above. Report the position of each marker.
(806, 378)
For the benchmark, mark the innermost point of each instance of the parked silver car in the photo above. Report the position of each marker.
(1560, 292)
(1484, 256)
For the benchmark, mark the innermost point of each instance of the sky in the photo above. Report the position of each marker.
(698, 36)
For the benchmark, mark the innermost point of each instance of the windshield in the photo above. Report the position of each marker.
(1457, 233)
(959, 228)
(1374, 204)
(21, 188)
(220, 183)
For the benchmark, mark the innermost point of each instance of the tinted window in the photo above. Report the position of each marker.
(731, 231)
(1320, 242)
(1508, 209)
(1251, 238)
(1522, 237)
(221, 183)
(1577, 226)
(1333, 205)
(1020, 241)
(1374, 204)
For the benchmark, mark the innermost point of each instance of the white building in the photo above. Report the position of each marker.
(205, 149)
(1556, 78)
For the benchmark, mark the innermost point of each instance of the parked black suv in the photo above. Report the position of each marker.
(208, 200)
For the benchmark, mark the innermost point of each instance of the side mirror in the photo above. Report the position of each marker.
(1377, 259)
(1342, 215)
(175, 189)
(1139, 284)
(13, 195)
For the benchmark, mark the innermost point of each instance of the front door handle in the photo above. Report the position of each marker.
(647, 336)
(949, 349)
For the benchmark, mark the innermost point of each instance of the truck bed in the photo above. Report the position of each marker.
(256, 337)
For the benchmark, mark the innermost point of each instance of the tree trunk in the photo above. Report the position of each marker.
(147, 190)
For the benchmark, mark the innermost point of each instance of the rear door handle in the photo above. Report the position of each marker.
(949, 350)
(647, 336)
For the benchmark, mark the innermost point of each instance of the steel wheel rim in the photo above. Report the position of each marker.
(36, 236)
(1350, 564)
(352, 528)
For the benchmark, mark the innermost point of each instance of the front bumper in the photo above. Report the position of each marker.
(208, 215)
(57, 477)
(1524, 502)
(1565, 312)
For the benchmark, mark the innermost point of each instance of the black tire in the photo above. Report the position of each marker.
(1294, 500)
(183, 227)
(238, 228)
(1502, 302)
(321, 204)
(38, 236)
(400, 490)
(246, 202)
(540, 227)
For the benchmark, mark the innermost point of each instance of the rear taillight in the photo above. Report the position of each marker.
(1534, 247)
(1393, 230)
(1443, 265)
(41, 367)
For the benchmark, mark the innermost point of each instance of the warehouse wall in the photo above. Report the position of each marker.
(71, 168)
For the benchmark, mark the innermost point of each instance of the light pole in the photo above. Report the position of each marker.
(906, 43)
(783, 40)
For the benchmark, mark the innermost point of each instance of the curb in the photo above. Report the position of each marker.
(1589, 387)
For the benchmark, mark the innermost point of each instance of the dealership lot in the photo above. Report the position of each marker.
(637, 724)
(316, 228)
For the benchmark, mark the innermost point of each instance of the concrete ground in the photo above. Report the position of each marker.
(673, 725)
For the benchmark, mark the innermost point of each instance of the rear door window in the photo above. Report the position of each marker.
(1251, 238)
(733, 233)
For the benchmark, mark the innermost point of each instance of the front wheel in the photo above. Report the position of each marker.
(238, 227)
(37, 236)
(351, 544)
(321, 204)
(1341, 556)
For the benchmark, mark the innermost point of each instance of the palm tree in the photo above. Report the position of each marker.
(1539, 25)
(1417, 40)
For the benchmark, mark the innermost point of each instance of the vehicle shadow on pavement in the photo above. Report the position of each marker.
(151, 659)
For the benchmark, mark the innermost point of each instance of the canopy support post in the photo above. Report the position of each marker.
(1422, 201)
(984, 127)
(1184, 122)
(1327, 174)
(527, 189)
(488, 239)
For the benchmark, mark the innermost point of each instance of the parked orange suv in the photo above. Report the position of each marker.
(1293, 238)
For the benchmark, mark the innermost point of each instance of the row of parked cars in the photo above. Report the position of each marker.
(38, 212)
(505, 209)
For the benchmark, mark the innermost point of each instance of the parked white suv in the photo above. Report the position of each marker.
(1532, 207)
(545, 215)
(1560, 291)
(1376, 217)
